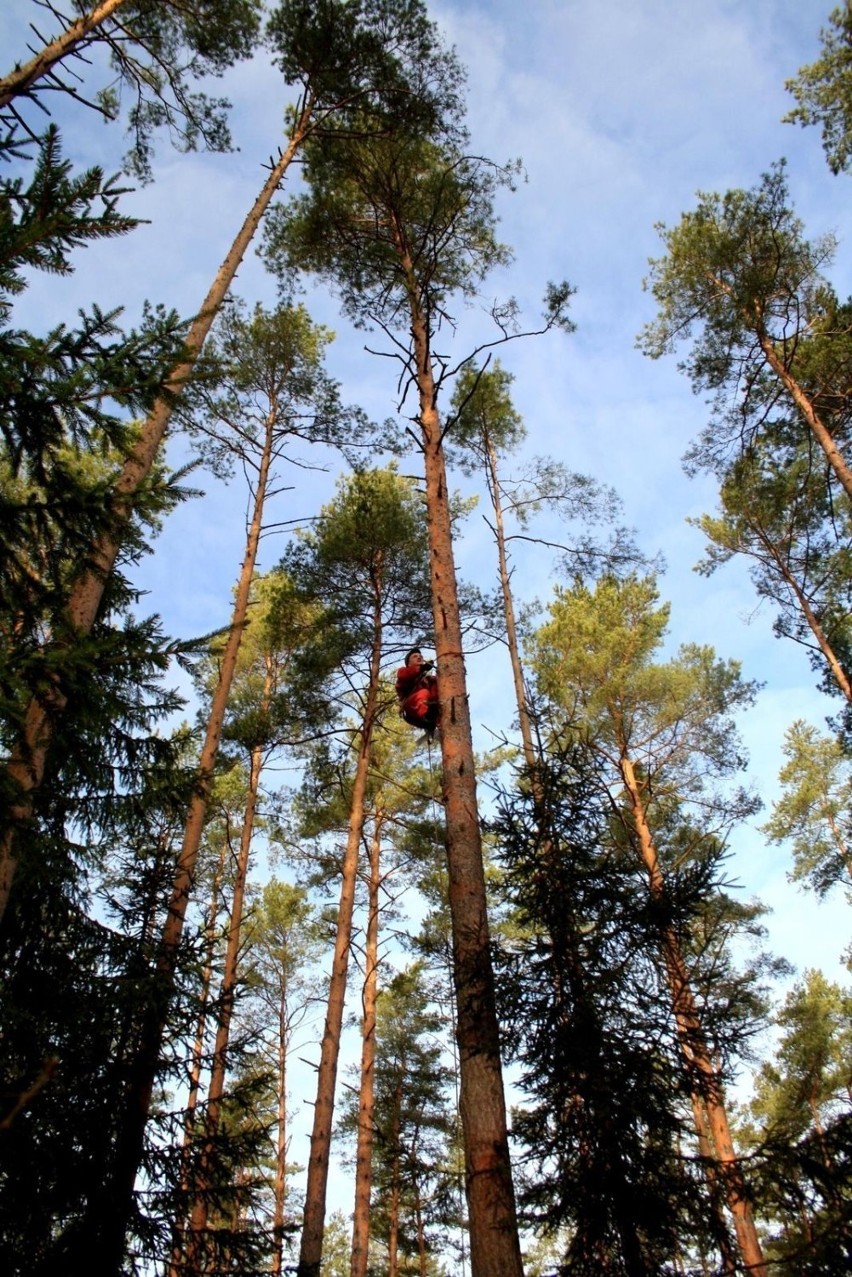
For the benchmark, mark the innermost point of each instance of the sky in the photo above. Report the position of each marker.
(619, 112)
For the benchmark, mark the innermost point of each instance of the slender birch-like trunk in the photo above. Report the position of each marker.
(313, 1227)
(494, 1242)
(28, 757)
(366, 1102)
(565, 940)
(694, 1046)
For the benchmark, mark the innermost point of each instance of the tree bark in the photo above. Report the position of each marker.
(393, 1213)
(313, 1227)
(706, 1150)
(280, 1184)
(805, 406)
(839, 674)
(216, 1089)
(366, 1104)
(21, 80)
(178, 1230)
(694, 1046)
(494, 1242)
(28, 758)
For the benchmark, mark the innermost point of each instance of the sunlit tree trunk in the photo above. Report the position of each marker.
(494, 1242)
(839, 674)
(24, 77)
(706, 1149)
(366, 1104)
(805, 406)
(693, 1043)
(313, 1227)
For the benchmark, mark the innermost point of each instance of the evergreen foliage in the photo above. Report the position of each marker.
(151, 52)
(823, 90)
(800, 1129)
(602, 1113)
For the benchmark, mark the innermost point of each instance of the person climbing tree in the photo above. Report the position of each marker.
(417, 690)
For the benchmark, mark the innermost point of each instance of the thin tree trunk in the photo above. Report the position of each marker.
(21, 80)
(313, 1227)
(524, 723)
(28, 758)
(694, 1046)
(280, 1184)
(366, 1104)
(566, 940)
(494, 1242)
(197, 1058)
(421, 1234)
(393, 1213)
(201, 1204)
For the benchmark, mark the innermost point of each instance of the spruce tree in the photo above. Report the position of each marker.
(664, 734)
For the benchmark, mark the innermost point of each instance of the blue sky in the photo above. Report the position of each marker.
(620, 112)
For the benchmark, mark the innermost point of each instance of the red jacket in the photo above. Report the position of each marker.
(417, 690)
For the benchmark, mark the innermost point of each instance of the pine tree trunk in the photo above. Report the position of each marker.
(705, 1148)
(366, 1104)
(178, 1231)
(393, 1212)
(564, 938)
(28, 758)
(216, 1089)
(21, 80)
(280, 1184)
(494, 1242)
(694, 1046)
(805, 406)
(838, 672)
(313, 1227)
